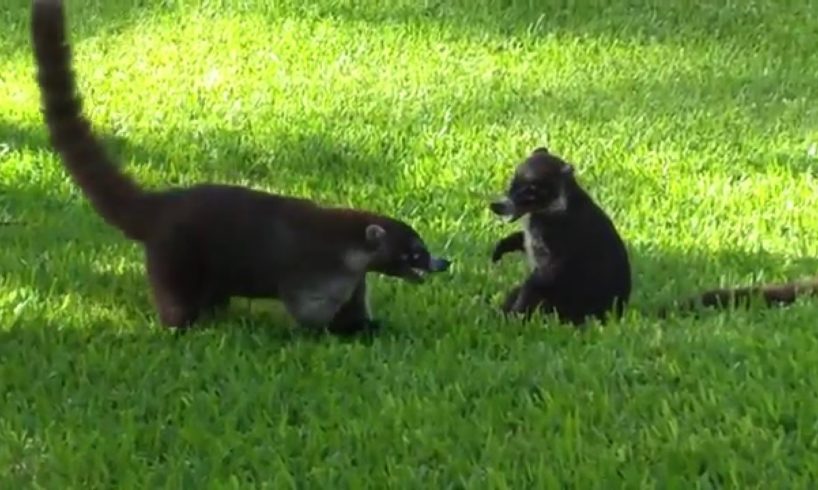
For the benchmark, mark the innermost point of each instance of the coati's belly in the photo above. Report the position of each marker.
(535, 250)
(318, 302)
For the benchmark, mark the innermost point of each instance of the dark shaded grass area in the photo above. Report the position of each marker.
(70, 226)
(640, 20)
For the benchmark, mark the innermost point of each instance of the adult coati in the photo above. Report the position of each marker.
(579, 264)
(207, 243)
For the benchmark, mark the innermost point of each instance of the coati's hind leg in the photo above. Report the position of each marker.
(175, 306)
(176, 286)
(525, 299)
(511, 299)
(354, 316)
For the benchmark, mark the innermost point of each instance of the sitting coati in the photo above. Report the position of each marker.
(207, 243)
(579, 264)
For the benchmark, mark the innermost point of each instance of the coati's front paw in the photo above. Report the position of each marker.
(354, 328)
(510, 302)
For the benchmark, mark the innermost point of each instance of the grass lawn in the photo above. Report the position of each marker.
(695, 126)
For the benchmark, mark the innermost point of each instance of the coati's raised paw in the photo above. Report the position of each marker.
(511, 243)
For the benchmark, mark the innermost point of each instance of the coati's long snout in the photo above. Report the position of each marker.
(417, 275)
(505, 208)
(404, 254)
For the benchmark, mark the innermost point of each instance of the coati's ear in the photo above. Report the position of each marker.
(540, 149)
(375, 235)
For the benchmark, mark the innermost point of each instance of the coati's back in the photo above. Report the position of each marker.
(598, 274)
(610, 244)
(249, 238)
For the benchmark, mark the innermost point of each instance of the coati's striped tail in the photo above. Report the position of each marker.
(113, 195)
(771, 294)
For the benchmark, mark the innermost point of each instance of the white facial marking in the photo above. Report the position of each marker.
(526, 172)
(357, 260)
(559, 204)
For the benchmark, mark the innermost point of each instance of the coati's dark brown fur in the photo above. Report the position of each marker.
(209, 242)
(579, 264)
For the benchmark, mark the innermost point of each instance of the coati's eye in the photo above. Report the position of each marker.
(404, 257)
(530, 191)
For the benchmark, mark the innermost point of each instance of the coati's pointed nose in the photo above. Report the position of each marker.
(439, 264)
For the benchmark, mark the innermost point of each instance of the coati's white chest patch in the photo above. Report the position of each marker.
(357, 260)
(317, 299)
(536, 250)
(318, 303)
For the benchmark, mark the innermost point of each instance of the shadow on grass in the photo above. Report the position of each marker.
(301, 162)
(86, 20)
(646, 20)
(663, 119)
(66, 231)
(58, 249)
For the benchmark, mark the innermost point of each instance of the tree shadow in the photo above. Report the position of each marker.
(295, 158)
(645, 21)
(21, 138)
(642, 20)
(86, 20)
(739, 122)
